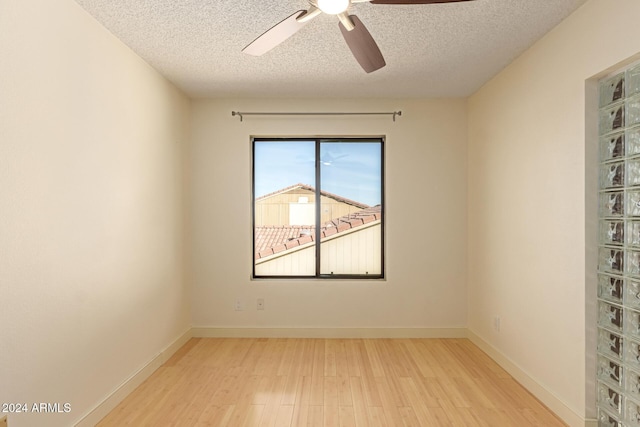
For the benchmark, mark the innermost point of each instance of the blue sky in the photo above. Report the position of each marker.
(351, 170)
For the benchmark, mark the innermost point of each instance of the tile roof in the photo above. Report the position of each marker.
(310, 188)
(271, 240)
(275, 235)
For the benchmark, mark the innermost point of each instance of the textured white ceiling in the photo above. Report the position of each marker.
(438, 50)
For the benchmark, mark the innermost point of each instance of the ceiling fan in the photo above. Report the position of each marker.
(362, 45)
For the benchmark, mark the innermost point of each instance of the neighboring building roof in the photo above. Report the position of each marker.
(278, 235)
(310, 188)
(271, 240)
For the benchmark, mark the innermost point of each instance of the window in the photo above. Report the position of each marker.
(318, 207)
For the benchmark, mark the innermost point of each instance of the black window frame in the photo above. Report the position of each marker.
(318, 242)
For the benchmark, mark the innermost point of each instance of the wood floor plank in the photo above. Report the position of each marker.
(342, 363)
(480, 357)
(391, 412)
(296, 346)
(330, 382)
(473, 393)
(316, 391)
(354, 359)
(227, 391)
(317, 377)
(473, 366)
(495, 417)
(426, 351)
(344, 391)
(303, 391)
(254, 415)
(451, 365)
(470, 419)
(444, 390)
(370, 388)
(330, 392)
(394, 361)
(440, 417)
(214, 416)
(416, 400)
(360, 408)
(143, 397)
(316, 416)
(417, 358)
(270, 413)
(290, 390)
(392, 371)
(263, 389)
(373, 357)
(301, 402)
(285, 414)
(182, 352)
(269, 358)
(308, 351)
(244, 407)
(377, 417)
(331, 411)
(330, 350)
(347, 416)
(409, 417)
(208, 379)
(300, 415)
(288, 361)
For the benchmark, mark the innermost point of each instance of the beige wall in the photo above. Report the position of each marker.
(527, 216)
(425, 236)
(91, 223)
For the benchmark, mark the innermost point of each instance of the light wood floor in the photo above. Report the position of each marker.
(330, 382)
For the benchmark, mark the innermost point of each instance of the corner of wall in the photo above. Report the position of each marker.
(123, 390)
(547, 397)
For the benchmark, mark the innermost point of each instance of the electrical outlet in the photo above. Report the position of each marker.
(496, 323)
(239, 304)
(260, 304)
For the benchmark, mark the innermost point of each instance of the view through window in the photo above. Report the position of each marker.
(318, 207)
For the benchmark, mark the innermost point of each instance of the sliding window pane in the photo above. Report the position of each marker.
(284, 208)
(351, 208)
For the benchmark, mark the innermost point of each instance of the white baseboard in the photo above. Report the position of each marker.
(206, 332)
(108, 404)
(539, 391)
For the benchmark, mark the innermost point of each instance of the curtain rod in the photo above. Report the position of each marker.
(241, 114)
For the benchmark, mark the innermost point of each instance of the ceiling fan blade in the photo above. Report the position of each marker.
(276, 34)
(414, 1)
(362, 45)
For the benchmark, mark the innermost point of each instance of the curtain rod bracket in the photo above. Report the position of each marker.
(242, 114)
(237, 113)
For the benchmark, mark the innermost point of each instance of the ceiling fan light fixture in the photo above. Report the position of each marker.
(358, 39)
(333, 7)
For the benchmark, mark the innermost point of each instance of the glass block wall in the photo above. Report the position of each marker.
(618, 360)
